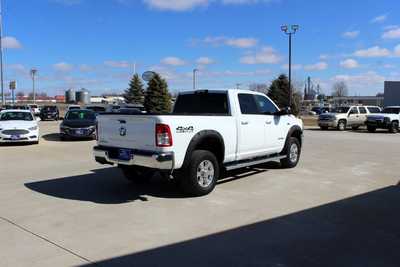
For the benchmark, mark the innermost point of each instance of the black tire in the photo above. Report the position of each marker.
(136, 174)
(394, 127)
(342, 125)
(371, 129)
(355, 128)
(324, 128)
(292, 146)
(191, 182)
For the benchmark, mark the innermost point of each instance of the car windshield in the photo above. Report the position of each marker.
(50, 108)
(16, 116)
(391, 111)
(82, 115)
(341, 110)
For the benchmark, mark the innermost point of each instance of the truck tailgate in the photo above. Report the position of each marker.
(127, 131)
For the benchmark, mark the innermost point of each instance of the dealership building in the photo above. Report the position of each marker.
(392, 93)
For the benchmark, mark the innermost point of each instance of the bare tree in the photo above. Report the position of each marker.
(340, 89)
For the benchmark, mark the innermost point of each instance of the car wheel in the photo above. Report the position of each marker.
(292, 153)
(201, 175)
(341, 125)
(136, 174)
(371, 129)
(394, 127)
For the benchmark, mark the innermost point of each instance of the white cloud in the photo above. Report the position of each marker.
(317, 66)
(361, 80)
(85, 68)
(323, 56)
(351, 34)
(397, 50)
(117, 64)
(63, 67)
(379, 19)
(173, 61)
(176, 5)
(11, 42)
(204, 61)
(243, 42)
(393, 33)
(349, 64)
(267, 55)
(374, 51)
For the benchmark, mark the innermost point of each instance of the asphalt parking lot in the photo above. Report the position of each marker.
(339, 207)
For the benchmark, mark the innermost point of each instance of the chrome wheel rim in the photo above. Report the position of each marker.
(294, 153)
(341, 126)
(205, 173)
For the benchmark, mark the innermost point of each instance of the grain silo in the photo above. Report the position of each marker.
(70, 96)
(82, 97)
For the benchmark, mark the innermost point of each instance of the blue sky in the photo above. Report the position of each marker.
(94, 44)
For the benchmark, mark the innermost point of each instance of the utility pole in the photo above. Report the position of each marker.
(195, 78)
(33, 74)
(3, 99)
(290, 30)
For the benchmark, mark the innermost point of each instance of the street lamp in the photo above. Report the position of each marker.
(195, 78)
(33, 74)
(3, 99)
(290, 30)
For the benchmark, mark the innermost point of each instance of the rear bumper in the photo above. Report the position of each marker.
(326, 123)
(149, 159)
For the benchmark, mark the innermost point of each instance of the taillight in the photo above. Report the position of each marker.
(163, 135)
(97, 131)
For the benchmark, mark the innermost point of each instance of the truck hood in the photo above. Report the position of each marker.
(333, 115)
(10, 125)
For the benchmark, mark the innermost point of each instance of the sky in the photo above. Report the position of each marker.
(95, 44)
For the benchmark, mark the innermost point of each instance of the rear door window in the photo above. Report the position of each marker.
(248, 104)
(354, 111)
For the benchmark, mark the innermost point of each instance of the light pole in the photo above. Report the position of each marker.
(290, 30)
(195, 78)
(33, 74)
(3, 99)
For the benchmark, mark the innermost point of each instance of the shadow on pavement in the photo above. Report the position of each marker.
(360, 231)
(108, 186)
(55, 137)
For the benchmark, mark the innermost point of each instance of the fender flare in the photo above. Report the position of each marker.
(198, 138)
(292, 130)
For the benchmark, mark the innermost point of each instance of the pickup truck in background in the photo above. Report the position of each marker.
(388, 119)
(207, 133)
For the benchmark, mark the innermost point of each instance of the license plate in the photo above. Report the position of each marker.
(79, 132)
(15, 137)
(125, 154)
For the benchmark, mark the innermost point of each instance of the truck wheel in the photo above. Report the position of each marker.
(136, 174)
(394, 127)
(341, 125)
(371, 129)
(201, 175)
(293, 151)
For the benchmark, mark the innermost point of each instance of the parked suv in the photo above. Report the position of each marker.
(343, 117)
(49, 113)
(388, 119)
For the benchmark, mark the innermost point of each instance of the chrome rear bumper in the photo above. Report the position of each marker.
(149, 159)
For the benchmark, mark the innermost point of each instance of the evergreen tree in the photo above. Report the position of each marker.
(279, 93)
(135, 93)
(158, 99)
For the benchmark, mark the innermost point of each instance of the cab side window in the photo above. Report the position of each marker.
(265, 106)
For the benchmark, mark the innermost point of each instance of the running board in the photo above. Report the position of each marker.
(246, 163)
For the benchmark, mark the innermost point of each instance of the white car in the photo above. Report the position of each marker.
(35, 109)
(18, 126)
(73, 107)
(208, 132)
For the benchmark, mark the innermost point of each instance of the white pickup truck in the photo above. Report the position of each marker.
(207, 133)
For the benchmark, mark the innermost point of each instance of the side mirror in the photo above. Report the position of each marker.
(283, 112)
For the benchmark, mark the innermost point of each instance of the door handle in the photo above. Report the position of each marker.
(245, 122)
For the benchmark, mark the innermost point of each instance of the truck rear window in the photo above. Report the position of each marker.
(202, 103)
